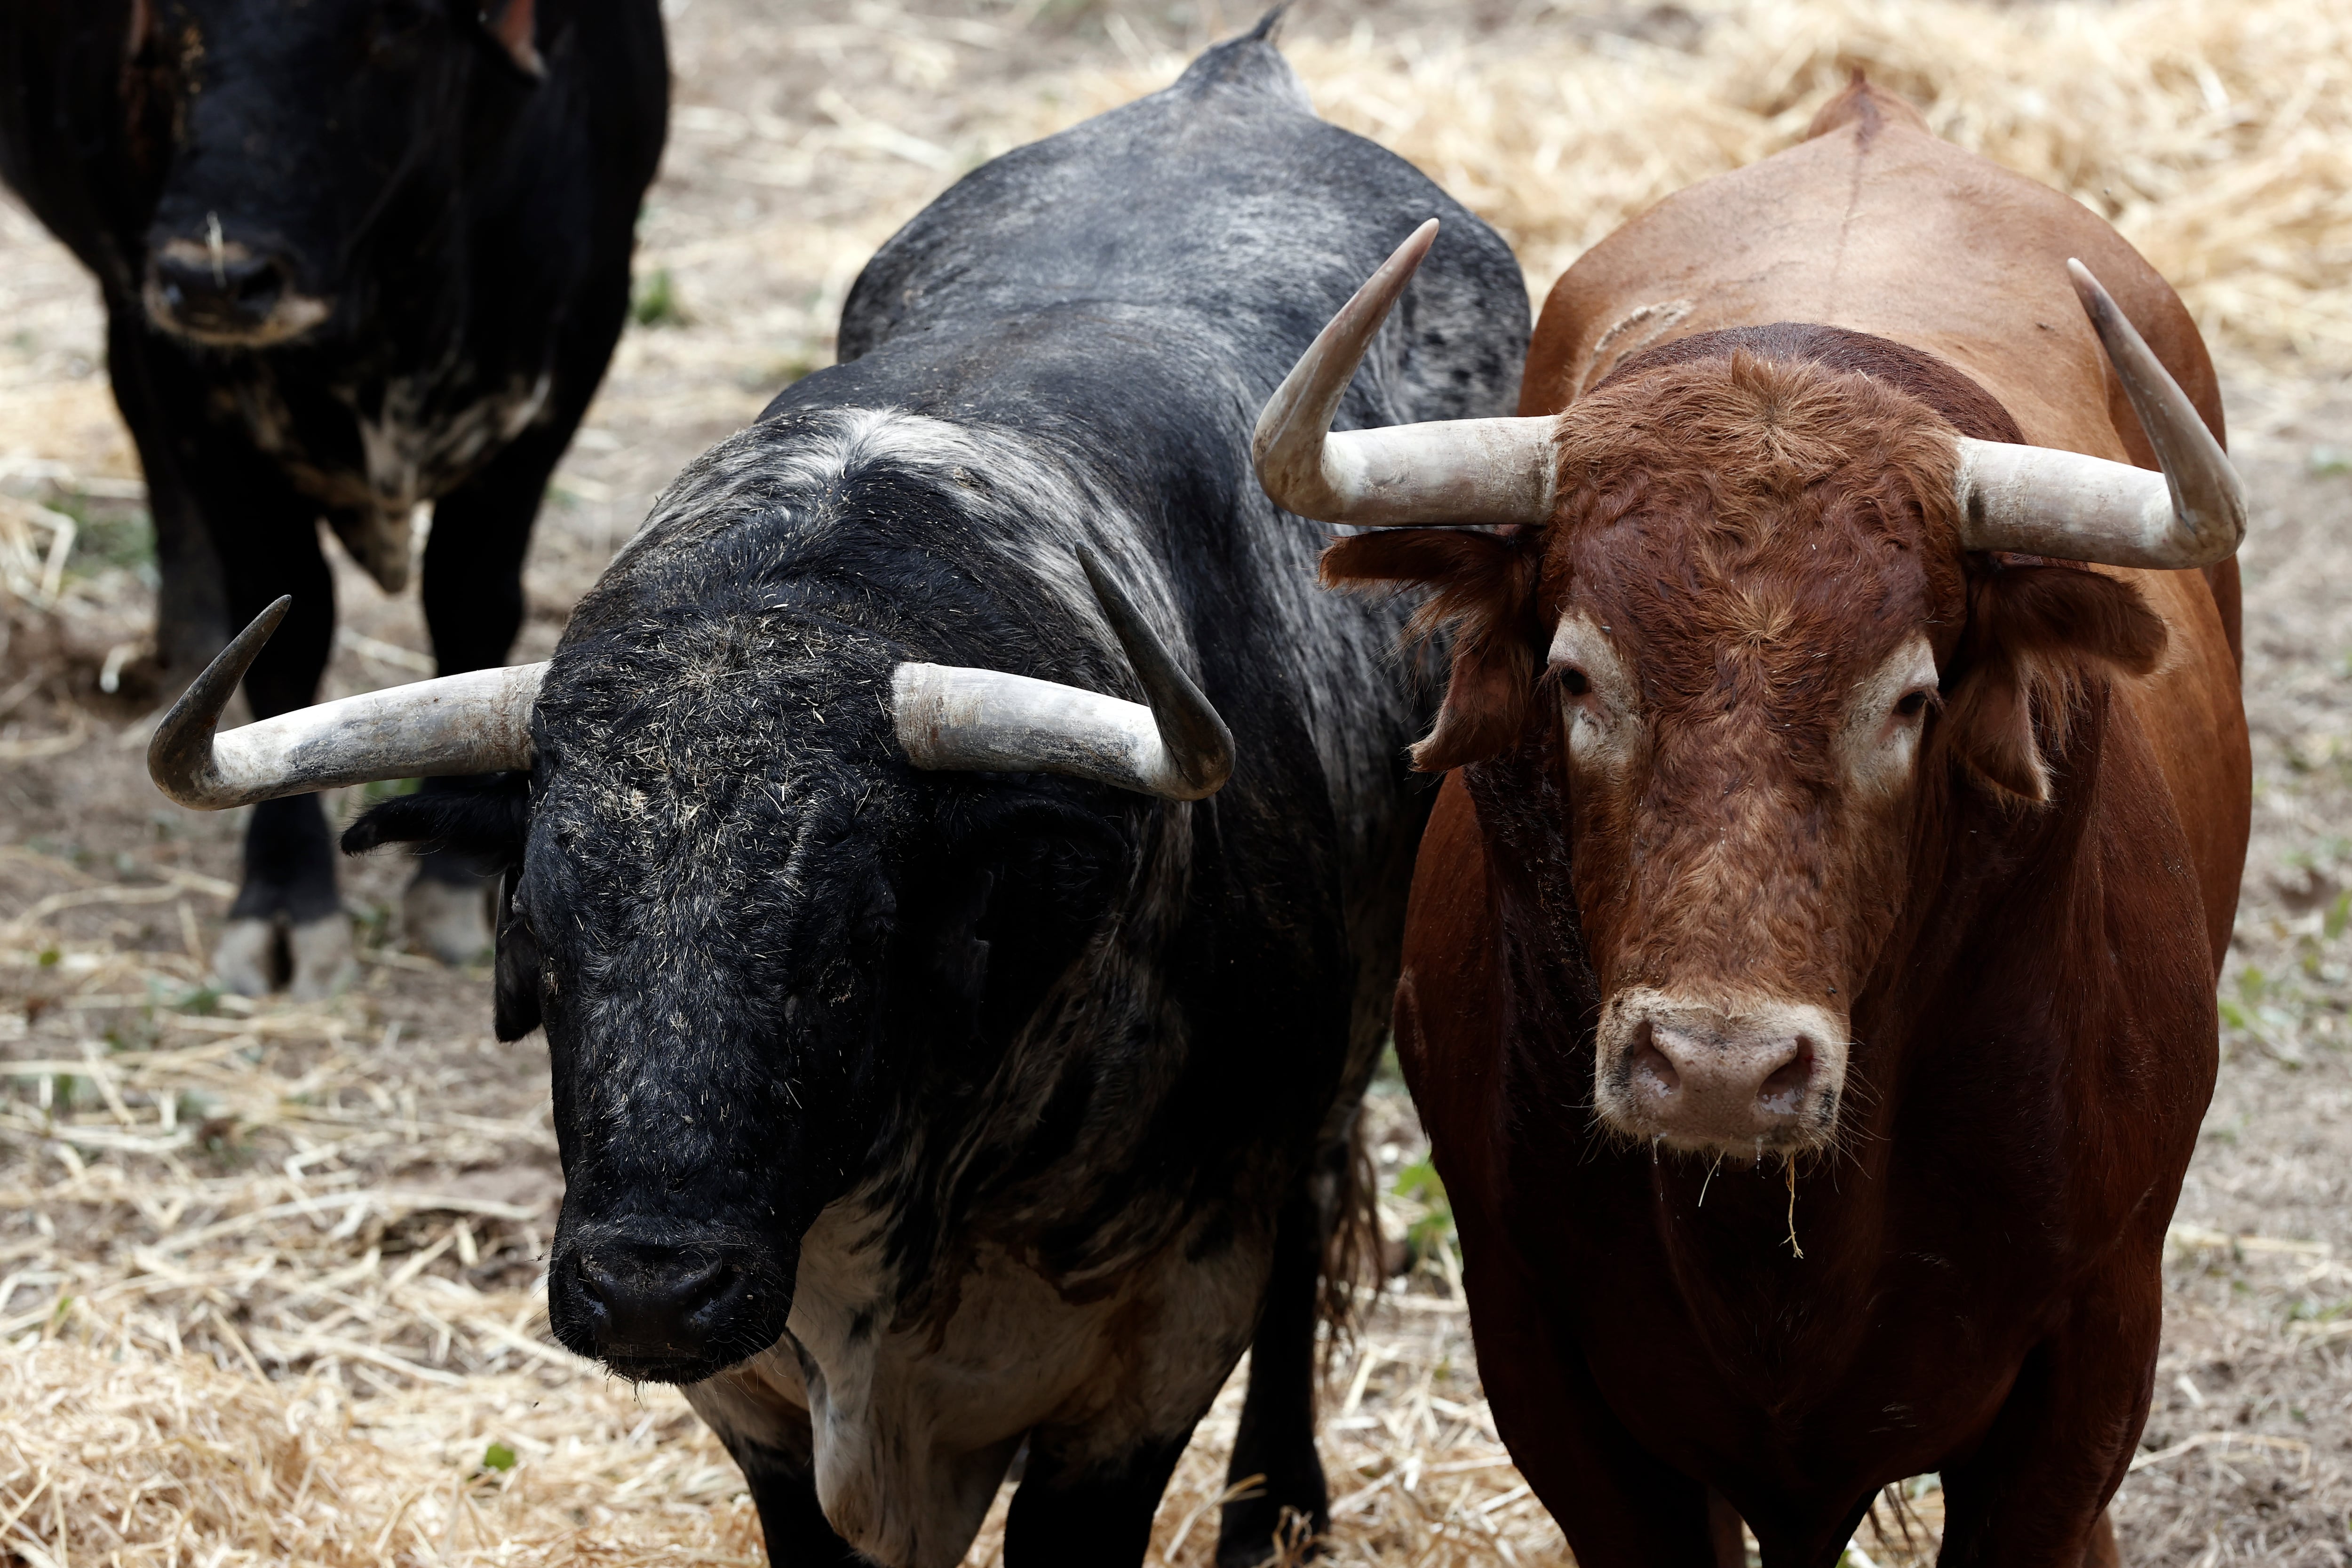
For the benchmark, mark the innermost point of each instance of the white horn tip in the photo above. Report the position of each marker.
(2088, 289)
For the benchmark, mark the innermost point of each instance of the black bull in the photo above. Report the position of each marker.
(356, 256)
(913, 1117)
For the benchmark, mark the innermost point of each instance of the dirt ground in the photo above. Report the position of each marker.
(268, 1273)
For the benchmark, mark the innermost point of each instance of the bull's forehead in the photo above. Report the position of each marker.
(694, 706)
(1782, 619)
(717, 778)
(678, 882)
(1768, 525)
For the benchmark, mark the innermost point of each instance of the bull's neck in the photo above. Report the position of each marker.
(1552, 996)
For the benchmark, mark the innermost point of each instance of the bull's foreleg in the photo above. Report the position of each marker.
(756, 1411)
(1097, 1517)
(2034, 1492)
(790, 1516)
(1619, 1505)
(2100, 1551)
(191, 606)
(1275, 1441)
(202, 478)
(267, 537)
(472, 591)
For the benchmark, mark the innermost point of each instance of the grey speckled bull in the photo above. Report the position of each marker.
(918, 1114)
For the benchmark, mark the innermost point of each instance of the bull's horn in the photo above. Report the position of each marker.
(952, 719)
(2042, 501)
(1457, 470)
(478, 722)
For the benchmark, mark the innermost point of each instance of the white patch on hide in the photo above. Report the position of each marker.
(1637, 330)
(1034, 505)
(412, 454)
(912, 1429)
(1606, 728)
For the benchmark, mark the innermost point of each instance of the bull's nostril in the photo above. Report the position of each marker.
(1652, 1071)
(1785, 1089)
(1651, 1063)
(702, 1292)
(259, 287)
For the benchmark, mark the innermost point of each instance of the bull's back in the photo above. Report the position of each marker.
(1876, 225)
(1225, 206)
(1139, 285)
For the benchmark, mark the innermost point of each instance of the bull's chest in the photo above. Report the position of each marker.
(910, 1430)
(372, 453)
(1832, 1343)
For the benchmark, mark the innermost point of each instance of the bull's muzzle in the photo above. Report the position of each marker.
(672, 1307)
(1741, 1078)
(226, 294)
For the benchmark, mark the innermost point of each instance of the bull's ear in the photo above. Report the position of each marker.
(1483, 586)
(514, 26)
(486, 821)
(2037, 636)
(514, 986)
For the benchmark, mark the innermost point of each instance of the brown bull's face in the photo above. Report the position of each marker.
(1748, 588)
(1751, 627)
(1742, 760)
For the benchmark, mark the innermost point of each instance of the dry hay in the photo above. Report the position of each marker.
(269, 1275)
(2215, 134)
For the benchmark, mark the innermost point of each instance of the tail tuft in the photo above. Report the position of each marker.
(1353, 1248)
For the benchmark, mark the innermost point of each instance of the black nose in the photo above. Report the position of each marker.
(228, 291)
(659, 1313)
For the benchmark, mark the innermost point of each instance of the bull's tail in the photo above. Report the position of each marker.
(1353, 1265)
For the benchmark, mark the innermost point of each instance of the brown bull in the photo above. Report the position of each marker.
(1809, 986)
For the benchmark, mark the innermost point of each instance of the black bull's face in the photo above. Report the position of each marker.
(290, 136)
(755, 944)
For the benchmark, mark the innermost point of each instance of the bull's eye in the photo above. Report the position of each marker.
(1913, 704)
(1572, 681)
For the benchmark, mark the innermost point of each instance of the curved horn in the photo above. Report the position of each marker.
(1455, 470)
(478, 722)
(952, 719)
(2044, 501)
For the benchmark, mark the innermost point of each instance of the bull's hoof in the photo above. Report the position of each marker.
(447, 919)
(245, 960)
(1259, 1532)
(321, 952)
